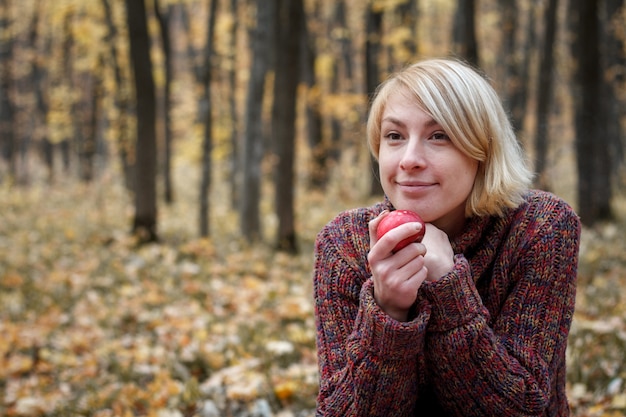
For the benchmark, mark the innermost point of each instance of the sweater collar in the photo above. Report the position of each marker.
(473, 232)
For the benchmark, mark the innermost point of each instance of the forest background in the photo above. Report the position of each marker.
(166, 165)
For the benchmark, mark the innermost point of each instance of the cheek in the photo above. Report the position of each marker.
(472, 170)
(468, 176)
(386, 163)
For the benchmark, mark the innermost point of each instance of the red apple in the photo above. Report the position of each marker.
(395, 219)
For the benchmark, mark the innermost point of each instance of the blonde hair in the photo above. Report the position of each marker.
(469, 110)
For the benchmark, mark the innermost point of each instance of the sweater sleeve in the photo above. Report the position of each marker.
(507, 365)
(367, 361)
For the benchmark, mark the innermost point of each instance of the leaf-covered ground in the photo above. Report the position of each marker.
(91, 325)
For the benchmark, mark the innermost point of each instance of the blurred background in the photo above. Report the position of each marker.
(165, 166)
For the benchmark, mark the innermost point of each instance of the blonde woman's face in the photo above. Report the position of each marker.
(420, 168)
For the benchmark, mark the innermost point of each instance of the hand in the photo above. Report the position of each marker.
(397, 276)
(440, 257)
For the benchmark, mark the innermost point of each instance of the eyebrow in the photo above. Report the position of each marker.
(431, 122)
(391, 120)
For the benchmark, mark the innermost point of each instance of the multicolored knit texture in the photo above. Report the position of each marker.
(488, 339)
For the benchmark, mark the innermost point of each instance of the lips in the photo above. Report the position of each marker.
(414, 183)
(414, 187)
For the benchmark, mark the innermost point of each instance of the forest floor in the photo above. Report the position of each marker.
(92, 325)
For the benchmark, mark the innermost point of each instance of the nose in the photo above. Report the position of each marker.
(413, 156)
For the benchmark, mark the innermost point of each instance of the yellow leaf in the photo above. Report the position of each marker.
(30, 406)
(619, 402)
(20, 364)
(215, 360)
(12, 280)
(70, 233)
(285, 390)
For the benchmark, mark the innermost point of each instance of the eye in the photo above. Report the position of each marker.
(393, 136)
(440, 136)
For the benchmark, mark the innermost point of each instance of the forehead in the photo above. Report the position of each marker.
(401, 108)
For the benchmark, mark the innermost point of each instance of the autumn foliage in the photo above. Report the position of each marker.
(93, 325)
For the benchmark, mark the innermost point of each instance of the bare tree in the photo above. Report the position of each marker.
(519, 78)
(614, 48)
(145, 218)
(235, 140)
(516, 59)
(374, 32)
(122, 101)
(593, 155)
(207, 143)
(39, 77)
(252, 152)
(164, 19)
(318, 172)
(290, 19)
(544, 92)
(464, 31)
(7, 107)
(90, 102)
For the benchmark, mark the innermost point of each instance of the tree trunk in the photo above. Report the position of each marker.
(8, 145)
(519, 91)
(70, 78)
(39, 76)
(164, 26)
(91, 112)
(145, 218)
(250, 220)
(544, 93)
(344, 41)
(29, 83)
(512, 55)
(593, 158)
(615, 79)
(464, 32)
(342, 82)
(374, 21)
(290, 20)
(235, 155)
(122, 102)
(319, 170)
(207, 143)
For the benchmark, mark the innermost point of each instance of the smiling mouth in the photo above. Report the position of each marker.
(414, 184)
(411, 187)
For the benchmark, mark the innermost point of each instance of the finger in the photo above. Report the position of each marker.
(413, 252)
(373, 225)
(405, 232)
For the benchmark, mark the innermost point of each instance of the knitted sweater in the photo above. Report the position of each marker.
(488, 339)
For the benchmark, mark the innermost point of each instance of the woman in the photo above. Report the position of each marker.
(474, 320)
